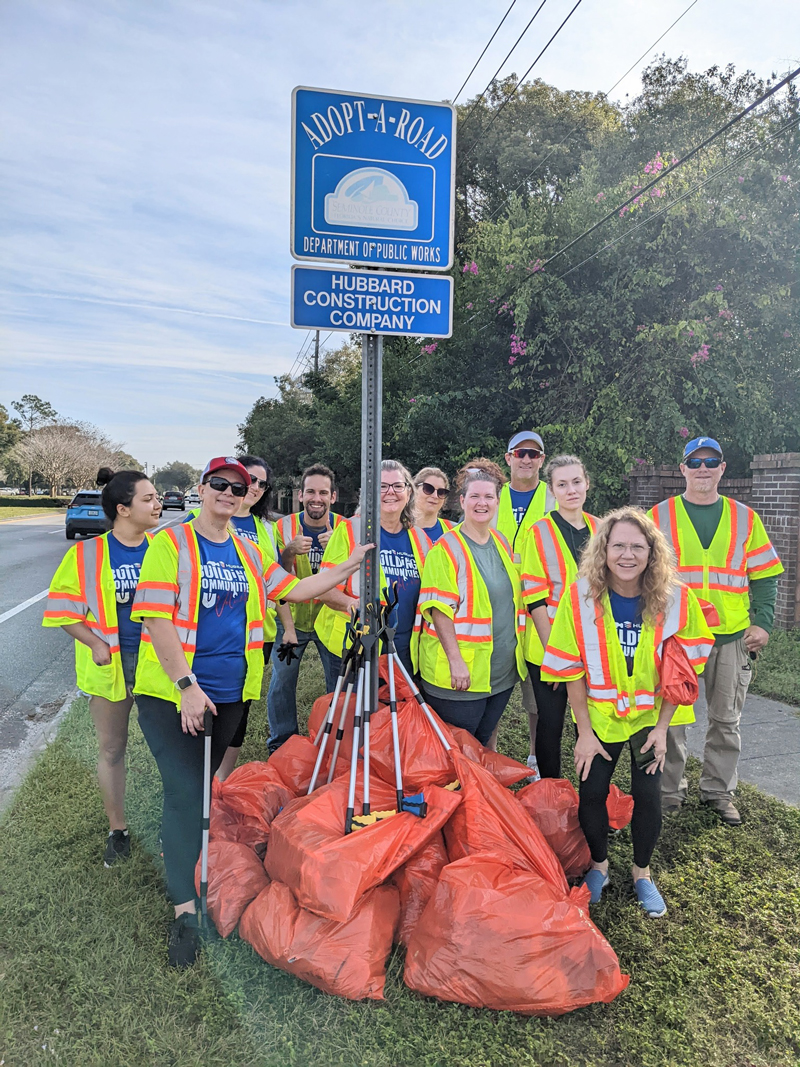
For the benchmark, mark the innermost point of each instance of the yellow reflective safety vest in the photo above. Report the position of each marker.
(83, 590)
(507, 524)
(286, 529)
(452, 583)
(720, 574)
(170, 588)
(548, 568)
(584, 644)
(268, 548)
(331, 625)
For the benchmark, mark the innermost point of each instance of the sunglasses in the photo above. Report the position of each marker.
(694, 463)
(261, 483)
(431, 490)
(219, 485)
(527, 453)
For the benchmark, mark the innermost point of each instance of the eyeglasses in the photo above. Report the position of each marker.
(219, 485)
(638, 550)
(261, 483)
(694, 463)
(527, 453)
(395, 487)
(431, 490)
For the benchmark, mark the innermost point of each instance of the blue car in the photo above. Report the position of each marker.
(85, 515)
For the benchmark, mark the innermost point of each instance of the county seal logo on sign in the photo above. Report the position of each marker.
(372, 179)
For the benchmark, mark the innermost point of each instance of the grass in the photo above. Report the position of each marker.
(27, 513)
(777, 672)
(83, 971)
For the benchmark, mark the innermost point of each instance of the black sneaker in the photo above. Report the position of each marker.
(184, 940)
(118, 847)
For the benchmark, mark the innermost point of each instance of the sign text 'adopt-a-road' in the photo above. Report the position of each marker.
(372, 179)
(331, 298)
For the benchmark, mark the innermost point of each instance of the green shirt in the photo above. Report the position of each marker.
(763, 591)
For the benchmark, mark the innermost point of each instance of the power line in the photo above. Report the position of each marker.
(483, 53)
(520, 81)
(492, 79)
(594, 104)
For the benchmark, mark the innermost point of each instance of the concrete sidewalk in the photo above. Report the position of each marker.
(770, 745)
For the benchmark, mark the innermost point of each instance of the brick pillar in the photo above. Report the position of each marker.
(645, 487)
(776, 498)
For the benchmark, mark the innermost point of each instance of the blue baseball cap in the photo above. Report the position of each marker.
(702, 442)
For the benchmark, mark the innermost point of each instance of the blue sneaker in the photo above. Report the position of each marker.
(596, 881)
(649, 897)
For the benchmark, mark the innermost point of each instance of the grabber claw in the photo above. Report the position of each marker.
(416, 805)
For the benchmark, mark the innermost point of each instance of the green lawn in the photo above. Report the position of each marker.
(83, 961)
(777, 672)
(28, 513)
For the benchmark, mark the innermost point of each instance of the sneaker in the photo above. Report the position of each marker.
(596, 881)
(118, 847)
(184, 940)
(534, 766)
(726, 809)
(650, 899)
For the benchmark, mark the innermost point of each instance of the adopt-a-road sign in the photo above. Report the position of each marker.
(373, 179)
(372, 301)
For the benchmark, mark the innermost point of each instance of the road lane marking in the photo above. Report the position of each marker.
(25, 604)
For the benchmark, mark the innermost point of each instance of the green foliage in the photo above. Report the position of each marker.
(777, 672)
(32, 502)
(176, 475)
(34, 412)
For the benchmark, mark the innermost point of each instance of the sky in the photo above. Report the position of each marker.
(145, 163)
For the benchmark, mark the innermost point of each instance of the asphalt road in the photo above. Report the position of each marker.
(36, 664)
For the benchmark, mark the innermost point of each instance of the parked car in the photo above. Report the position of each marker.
(173, 499)
(85, 514)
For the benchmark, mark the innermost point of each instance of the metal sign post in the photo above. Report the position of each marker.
(371, 436)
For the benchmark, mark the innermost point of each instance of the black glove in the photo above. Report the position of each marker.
(287, 651)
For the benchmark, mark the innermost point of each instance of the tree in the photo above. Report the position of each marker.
(33, 412)
(10, 431)
(176, 475)
(65, 454)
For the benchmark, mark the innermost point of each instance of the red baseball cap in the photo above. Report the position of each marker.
(230, 463)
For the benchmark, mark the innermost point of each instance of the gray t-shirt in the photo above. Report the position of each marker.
(504, 673)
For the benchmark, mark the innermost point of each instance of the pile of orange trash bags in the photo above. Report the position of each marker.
(476, 890)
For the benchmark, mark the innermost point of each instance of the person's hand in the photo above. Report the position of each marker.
(587, 747)
(289, 637)
(755, 638)
(657, 740)
(300, 545)
(554, 685)
(101, 654)
(357, 555)
(287, 651)
(193, 706)
(459, 675)
(324, 537)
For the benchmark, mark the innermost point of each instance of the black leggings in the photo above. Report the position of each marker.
(180, 758)
(238, 738)
(593, 815)
(550, 705)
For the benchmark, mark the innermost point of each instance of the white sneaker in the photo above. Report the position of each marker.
(534, 766)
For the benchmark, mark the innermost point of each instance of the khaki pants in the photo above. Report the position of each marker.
(727, 676)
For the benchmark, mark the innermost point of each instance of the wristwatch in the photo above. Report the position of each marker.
(185, 682)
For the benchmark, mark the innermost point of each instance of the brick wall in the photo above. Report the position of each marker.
(773, 491)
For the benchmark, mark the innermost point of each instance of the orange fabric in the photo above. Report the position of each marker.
(329, 871)
(235, 878)
(346, 959)
(293, 764)
(496, 936)
(620, 808)
(316, 722)
(423, 758)
(506, 770)
(416, 881)
(256, 791)
(552, 803)
(678, 680)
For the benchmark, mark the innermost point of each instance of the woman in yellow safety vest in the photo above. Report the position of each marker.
(202, 596)
(90, 597)
(402, 553)
(550, 558)
(431, 487)
(606, 643)
(470, 618)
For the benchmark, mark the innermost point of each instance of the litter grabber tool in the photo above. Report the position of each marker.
(208, 726)
(345, 672)
(391, 599)
(353, 634)
(351, 792)
(371, 652)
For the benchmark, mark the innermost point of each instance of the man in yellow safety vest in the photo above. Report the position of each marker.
(726, 557)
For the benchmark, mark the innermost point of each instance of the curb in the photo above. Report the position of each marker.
(38, 739)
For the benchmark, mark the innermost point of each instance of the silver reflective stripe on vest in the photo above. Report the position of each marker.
(742, 513)
(553, 562)
(672, 615)
(93, 594)
(185, 625)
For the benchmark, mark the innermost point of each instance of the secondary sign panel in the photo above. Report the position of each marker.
(373, 179)
(386, 302)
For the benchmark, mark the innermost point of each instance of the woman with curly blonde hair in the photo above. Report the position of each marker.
(607, 644)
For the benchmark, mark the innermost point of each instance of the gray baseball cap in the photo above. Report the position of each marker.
(524, 435)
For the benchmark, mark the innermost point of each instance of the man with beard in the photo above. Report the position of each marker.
(301, 540)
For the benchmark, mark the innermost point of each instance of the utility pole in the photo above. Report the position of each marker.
(316, 354)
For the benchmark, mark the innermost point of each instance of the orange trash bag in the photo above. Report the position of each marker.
(345, 959)
(255, 791)
(235, 878)
(423, 758)
(552, 803)
(490, 820)
(293, 764)
(228, 825)
(329, 871)
(495, 936)
(416, 880)
(506, 770)
(620, 808)
(316, 721)
(679, 683)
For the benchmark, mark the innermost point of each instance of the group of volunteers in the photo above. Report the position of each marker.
(527, 588)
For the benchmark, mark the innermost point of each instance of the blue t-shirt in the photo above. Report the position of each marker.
(520, 502)
(316, 550)
(125, 565)
(245, 526)
(399, 565)
(219, 661)
(627, 612)
(435, 531)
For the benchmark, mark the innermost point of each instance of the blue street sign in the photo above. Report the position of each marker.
(374, 301)
(373, 179)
